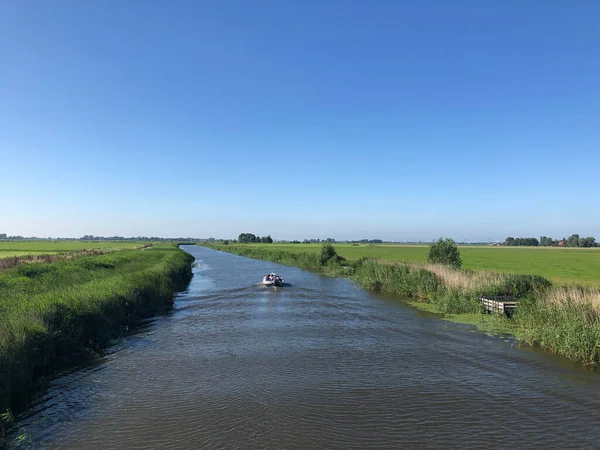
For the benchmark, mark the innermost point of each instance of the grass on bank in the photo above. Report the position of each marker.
(49, 312)
(564, 320)
(559, 265)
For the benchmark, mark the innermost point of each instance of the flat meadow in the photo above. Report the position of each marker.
(560, 265)
(24, 248)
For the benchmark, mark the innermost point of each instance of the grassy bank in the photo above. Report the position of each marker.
(560, 265)
(561, 319)
(50, 313)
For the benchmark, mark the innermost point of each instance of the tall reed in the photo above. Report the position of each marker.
(564, 320)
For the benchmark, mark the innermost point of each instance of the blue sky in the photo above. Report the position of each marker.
(364, 119)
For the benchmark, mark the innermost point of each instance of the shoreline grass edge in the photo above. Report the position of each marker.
(53, 314)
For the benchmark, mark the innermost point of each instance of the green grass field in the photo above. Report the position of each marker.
(22, 248)
(561, 265)
(11, 253)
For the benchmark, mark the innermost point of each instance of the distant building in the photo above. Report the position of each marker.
(561, 243)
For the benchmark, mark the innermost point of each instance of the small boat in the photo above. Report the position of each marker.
(272, 279)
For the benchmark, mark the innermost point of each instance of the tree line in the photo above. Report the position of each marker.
(573, 241)
(249, 238)
(90, 237)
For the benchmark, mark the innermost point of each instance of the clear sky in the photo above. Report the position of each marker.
(399, 120)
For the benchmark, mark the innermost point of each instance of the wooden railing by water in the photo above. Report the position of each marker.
(499, 304)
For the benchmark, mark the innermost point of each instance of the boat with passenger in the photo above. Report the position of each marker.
(272, 279)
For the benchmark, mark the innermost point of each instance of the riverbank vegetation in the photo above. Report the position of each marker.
(562, 319)
(51, 313)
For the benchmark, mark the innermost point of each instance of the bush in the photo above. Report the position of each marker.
(445, 251)
(327, 252)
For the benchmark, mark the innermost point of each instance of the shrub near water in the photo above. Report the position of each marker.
(57, 310)
(445, 251)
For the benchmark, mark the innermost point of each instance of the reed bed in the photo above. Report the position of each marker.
(564, 320)
(452, 291)
(575, 295)
(468, 280)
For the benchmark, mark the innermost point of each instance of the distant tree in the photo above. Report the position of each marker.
(327, 252)
(510, 241)
(587, 242)
(225, 242)
(267, 240)
(573, 240)
(2, 235)
(246, 238)
(545, 241)
(445, 251)
(532, 242)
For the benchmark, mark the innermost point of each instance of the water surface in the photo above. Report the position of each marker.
(318, 364)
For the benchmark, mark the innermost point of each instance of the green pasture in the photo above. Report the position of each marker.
(21, 248)
(11, 253)
(561, 265)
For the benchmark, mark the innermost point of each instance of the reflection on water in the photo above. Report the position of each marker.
(319, 364)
